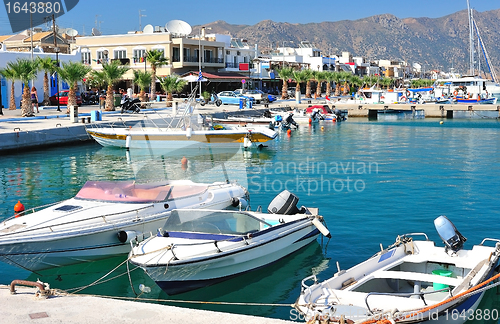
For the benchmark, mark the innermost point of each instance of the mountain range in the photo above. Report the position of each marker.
(436, 43)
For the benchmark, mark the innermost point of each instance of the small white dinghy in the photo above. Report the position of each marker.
(409, 282)
(102, 218)
(198, 248)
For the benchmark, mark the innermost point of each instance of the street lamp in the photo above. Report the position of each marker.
(200, 75)
(56, 49)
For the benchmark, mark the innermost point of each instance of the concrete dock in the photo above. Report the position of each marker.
(24, 307)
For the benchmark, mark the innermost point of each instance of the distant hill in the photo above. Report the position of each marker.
(437, 43)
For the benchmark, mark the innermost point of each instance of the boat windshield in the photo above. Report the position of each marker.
(129, 191)
(213, 222)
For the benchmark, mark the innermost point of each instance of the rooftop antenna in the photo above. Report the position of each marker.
(140, 16)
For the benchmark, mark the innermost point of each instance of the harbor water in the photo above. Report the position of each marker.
(371, 180)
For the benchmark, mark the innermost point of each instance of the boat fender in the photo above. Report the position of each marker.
(126, 236)
(316, 222)
(235, 202)
(247, 142)
(128, 140)
(189, 132)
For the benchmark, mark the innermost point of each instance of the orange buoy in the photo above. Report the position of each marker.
(310, 121)
(18, 208)
(289, 132)
(184, 163)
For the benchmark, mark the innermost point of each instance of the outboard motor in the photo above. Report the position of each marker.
(285, 203)
(451, 237)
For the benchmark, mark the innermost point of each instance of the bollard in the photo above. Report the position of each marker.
(73, 114)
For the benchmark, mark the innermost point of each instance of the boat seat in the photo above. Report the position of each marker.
(417, 276)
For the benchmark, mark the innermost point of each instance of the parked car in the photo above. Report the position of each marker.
(63, 98)
(258, 96)
(232, 98)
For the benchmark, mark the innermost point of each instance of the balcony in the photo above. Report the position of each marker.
(123, 61)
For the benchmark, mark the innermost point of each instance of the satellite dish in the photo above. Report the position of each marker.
(96, 32)
(148, 29)
(178, 27)
(72, 32)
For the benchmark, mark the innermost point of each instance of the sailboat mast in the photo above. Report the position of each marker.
(471, 40)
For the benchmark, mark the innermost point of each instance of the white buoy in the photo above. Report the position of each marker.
(316, 222)
(128, 140)
(189, 132)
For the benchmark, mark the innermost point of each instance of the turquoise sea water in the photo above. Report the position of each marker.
(370, 180)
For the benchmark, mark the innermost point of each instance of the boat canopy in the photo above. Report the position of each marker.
(421, 89)
(129, 191)
(213, 222)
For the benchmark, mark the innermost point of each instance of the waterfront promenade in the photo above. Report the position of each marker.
(52, 128)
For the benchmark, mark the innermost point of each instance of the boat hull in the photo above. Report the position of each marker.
(177, 140)
(89, 238)
(185, 277)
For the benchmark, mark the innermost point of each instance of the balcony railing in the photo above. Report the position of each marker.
(194, 59)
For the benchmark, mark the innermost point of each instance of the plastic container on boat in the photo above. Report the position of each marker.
(444, 273)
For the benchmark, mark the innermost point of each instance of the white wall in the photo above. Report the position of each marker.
(8, 56)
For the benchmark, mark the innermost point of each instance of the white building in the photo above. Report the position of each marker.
(11, 56)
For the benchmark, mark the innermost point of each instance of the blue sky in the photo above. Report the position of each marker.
(115, 17)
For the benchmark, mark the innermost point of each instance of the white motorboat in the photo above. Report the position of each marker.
(178, 138)
(197, 248)
(409, 282)
(102, 218)
(179, 131)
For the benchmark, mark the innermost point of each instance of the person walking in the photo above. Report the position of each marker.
(34, 99)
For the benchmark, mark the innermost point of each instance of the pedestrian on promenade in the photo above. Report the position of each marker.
(34, 99)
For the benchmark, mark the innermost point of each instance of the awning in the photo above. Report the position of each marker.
(193, 78)
(219, 76)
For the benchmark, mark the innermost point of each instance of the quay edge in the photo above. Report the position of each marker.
(23, 307)
(49, 129)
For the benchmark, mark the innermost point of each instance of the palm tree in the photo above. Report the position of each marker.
(329, 78)
(143, 80)
(156, 58)
(72, 73)
(319, 77)
(11, 75)
(170, 84)
(300, 77)
(48, 66)
(345, 77)
(285, 74)
(367, 80)
(310, 76)
(26, 70)
(337, 77)
(357, 82)
(386, 82)
(112, 72)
